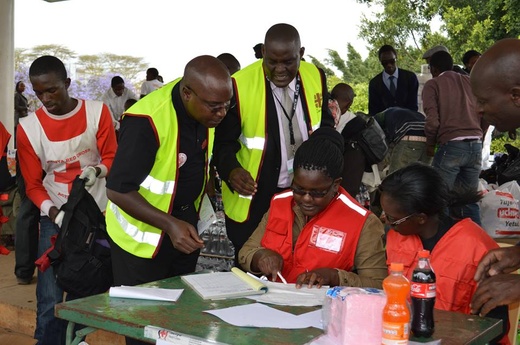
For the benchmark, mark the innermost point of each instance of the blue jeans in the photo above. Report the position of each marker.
(459, 163)
(49, 329)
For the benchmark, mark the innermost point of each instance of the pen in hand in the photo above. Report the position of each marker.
(281, 277)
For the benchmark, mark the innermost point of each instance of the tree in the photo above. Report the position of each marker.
(90, 74)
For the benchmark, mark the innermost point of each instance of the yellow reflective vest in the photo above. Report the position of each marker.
(252, 102)
(158, 188)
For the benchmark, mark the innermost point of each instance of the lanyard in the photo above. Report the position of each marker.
(293, 111)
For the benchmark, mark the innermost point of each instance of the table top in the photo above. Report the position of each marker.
(129, 317)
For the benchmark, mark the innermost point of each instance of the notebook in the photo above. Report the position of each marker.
(219, 285)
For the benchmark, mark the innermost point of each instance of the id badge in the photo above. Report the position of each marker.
(328, 239)
(290, 165)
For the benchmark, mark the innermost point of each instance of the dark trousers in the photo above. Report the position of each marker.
(353, 168)
(26, 234)
(132, 270)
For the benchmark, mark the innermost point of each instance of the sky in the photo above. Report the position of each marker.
(169, 33)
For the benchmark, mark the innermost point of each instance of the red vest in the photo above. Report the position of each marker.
(454, 259)
(4, 138)
(329, 239)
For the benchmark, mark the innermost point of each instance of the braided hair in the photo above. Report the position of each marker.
(323, 152)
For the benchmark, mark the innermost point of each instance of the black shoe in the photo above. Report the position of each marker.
(24, 281)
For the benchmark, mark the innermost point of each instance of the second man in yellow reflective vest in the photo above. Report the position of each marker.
(280, 99)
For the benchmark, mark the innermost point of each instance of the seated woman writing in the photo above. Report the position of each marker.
(413, 200)
(316, 233)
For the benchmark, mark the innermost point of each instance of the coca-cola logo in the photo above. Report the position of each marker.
(415, 288)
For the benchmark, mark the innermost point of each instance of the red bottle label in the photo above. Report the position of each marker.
(423, 290)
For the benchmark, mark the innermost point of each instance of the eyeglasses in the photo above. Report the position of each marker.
(315, 194)
(213, 107)
(389, 61)
(394, 223)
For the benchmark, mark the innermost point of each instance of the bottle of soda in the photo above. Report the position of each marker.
(396, 315)
(423, 296)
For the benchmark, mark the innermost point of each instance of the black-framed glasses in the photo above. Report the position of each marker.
(315, 194)
(213, 107)
(393, 223)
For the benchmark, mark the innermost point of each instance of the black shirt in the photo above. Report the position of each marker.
(138, 147)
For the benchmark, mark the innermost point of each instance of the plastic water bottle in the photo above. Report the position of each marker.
(396, 315)
(423, 293)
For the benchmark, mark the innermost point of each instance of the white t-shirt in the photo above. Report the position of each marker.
(117, 104)
(150, 85)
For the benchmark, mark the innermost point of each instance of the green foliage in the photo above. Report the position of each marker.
(361, 100)
(466, 31)
(497, 144)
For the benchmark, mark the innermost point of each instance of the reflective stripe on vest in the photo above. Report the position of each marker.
(256, 143)
(158, 187)
(250, 90)
(361, 210)
(303, 253)
(132, 230)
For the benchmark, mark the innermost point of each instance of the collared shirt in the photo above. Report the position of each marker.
(115, 103)
(285, 178)
(386, 78)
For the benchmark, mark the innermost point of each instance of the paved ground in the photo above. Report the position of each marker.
(17, 306)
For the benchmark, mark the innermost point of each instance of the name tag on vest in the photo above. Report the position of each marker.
(327, 239)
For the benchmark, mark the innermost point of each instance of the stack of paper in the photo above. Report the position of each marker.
(219, 285)
(155, 294)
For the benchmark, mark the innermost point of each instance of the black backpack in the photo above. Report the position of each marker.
(81, 255)
(372, 140)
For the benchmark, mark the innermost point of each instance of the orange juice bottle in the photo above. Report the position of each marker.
(396, 315)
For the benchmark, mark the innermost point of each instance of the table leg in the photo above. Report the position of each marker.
(75, 339)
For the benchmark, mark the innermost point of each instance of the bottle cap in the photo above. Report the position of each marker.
(396, 266)
(424, 253)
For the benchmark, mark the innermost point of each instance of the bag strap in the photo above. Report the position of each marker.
(75, 195)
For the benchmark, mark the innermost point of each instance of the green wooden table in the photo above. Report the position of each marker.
(129, 317)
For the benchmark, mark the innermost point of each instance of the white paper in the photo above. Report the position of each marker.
(260, 315)
(288, 294)
(154, 294)
(207, 215)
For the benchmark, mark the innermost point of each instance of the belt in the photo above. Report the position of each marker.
(414, 138)
(471, 140)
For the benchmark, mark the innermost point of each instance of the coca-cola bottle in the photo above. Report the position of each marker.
(423, 296)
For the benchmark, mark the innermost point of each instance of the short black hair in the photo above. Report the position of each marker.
(116, 81)
(153, 72)
(48, 64)
(468, 55)
(384, 49)
(442, 61)
(323, 152)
